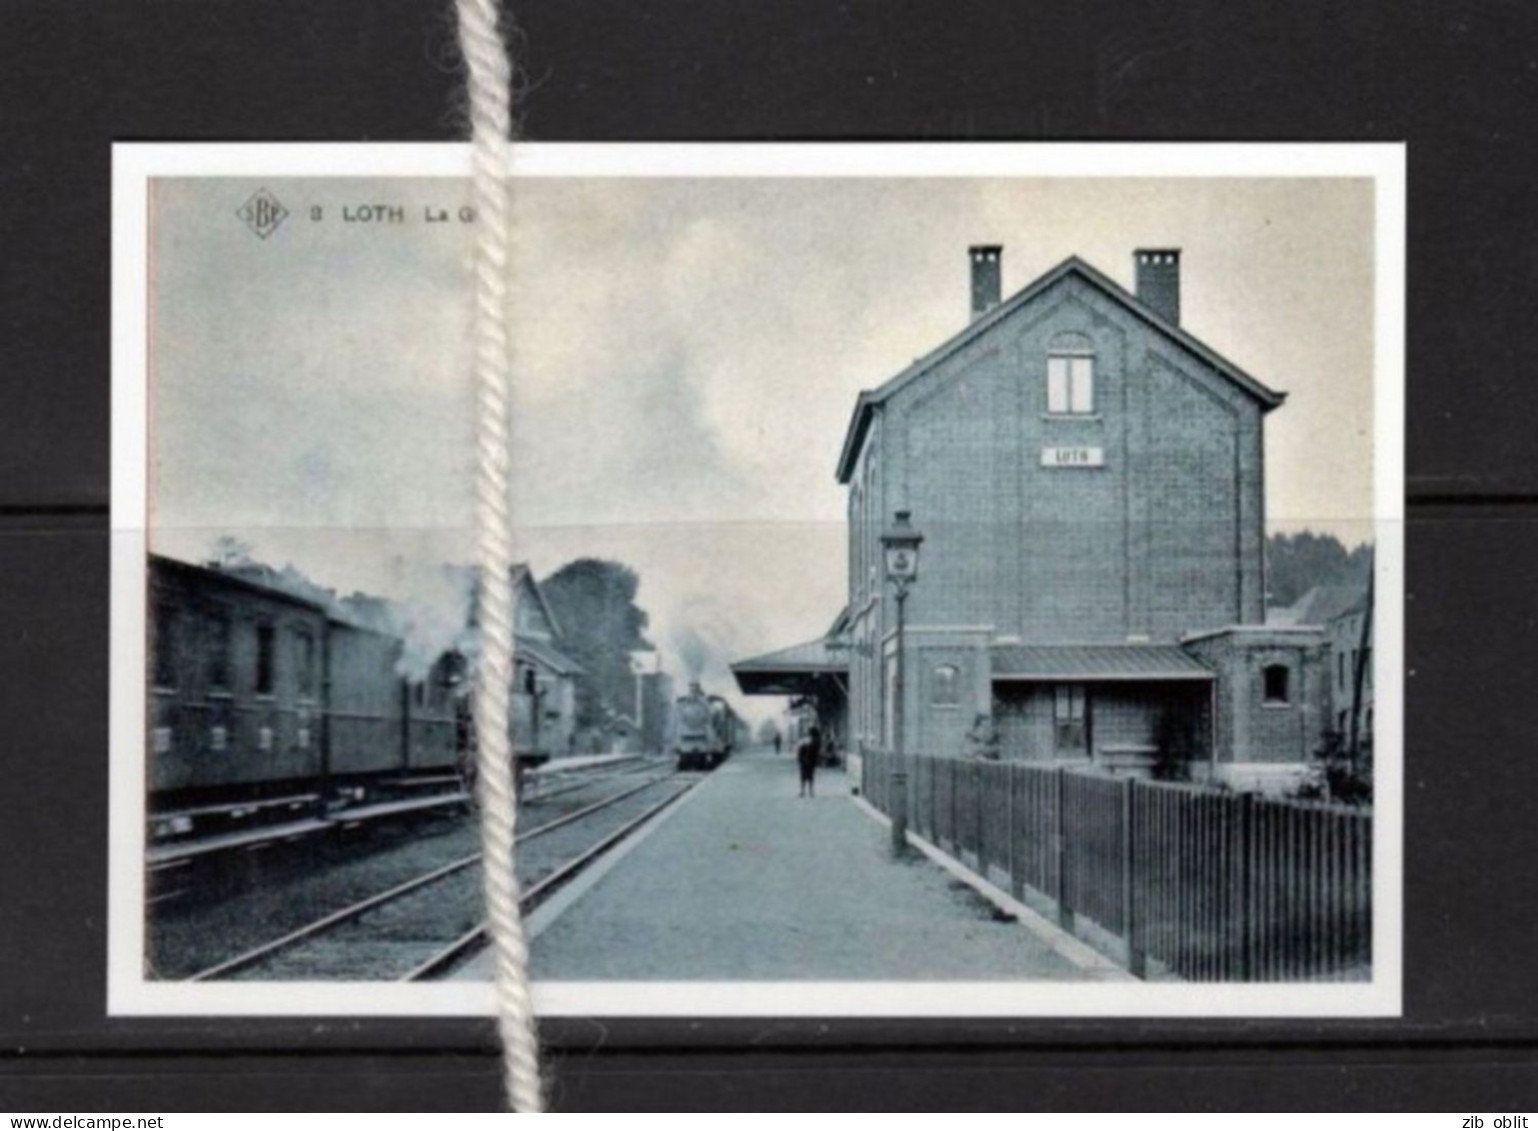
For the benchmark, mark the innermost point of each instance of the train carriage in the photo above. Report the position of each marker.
(268, 706)
(236, 690)
(366, 702)
(433, 709)
(263, 702)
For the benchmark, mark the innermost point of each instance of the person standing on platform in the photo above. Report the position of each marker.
(777, 740)
(807, 755)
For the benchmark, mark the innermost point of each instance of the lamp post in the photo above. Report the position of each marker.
(900, 545)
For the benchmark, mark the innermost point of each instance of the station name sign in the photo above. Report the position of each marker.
(1072, 457)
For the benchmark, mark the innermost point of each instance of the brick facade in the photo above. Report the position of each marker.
(1137, 517)
(1254, 730)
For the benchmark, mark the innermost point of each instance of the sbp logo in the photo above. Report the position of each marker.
(262, 213)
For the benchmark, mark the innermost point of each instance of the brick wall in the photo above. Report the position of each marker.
(1165, 538)
(1023, 715)
(1251, 730)
(1121, 715)
(935, 725)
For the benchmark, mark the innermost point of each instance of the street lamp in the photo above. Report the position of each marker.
(900, 544)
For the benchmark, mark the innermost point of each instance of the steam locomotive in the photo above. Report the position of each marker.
(705, 729)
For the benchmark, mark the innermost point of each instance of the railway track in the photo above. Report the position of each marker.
(584, 779)
(173, 868)
(448, 958)
(423, 927)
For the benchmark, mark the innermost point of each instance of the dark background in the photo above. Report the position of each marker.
(1456, 80)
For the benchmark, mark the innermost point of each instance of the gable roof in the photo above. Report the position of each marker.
(552, 658)
(523, 577)
(1321, 604)
(870, 399)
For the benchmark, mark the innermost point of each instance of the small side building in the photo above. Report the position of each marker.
(1344, 613)
(1351, 637)
(544, 679)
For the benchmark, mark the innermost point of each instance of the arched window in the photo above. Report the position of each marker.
(1070, 375)
(1278, 685)
(945, 686)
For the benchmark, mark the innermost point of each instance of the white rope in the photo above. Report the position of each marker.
(490, 82)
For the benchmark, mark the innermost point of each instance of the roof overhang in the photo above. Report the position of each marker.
(854, 438)
(805, 669)
(788, 681)
(1096, 663)
(235, 581)
(546, 656)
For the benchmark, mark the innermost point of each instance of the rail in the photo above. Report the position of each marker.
(474, 939)
(309, 931)
(164, 853)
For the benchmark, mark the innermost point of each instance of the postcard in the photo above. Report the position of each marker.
(952, 580)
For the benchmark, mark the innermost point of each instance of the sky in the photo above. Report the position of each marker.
(687, 353)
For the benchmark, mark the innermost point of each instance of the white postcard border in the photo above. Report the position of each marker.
(134, 165)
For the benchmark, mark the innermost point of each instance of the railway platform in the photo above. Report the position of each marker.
(744, 880)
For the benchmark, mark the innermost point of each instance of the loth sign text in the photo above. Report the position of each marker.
(1072, 457)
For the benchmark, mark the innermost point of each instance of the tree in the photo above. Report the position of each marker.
(1295, 563)
(228, 552)
(601, 625)
(1346, 774)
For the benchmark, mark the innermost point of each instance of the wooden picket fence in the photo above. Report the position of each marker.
(1217, 886)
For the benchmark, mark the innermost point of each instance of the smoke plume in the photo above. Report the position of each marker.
(433, 609)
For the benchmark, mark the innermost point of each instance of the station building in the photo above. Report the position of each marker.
(1090, 480)
(1345, 612)
(544, 701)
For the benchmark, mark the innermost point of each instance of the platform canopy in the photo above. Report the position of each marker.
(1091, 663)
(803, 669)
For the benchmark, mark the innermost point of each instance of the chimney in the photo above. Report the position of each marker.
(1158, 280)
(985, 277)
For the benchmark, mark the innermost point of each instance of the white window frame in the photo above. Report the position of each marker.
(1070, 712)
(1070, 384)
